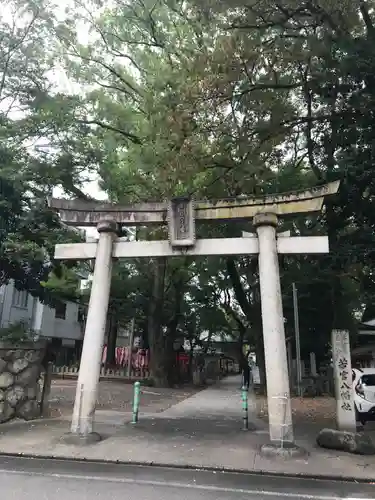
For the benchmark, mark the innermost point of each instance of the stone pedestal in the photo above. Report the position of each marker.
(284, 450)
(20, 368)
(352, 442)
(76, 439)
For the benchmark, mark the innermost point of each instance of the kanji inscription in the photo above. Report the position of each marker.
(343, 379)
(181, 223)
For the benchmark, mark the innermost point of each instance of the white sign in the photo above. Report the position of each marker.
(342, 372)
(181, 223)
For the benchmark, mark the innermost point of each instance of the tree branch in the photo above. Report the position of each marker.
(367, 18)
(133, 138)
(238, 289)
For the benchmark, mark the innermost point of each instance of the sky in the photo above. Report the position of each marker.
(63, 84)
(58, 76)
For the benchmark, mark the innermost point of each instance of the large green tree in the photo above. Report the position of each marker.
(218, 99)
(28, 230)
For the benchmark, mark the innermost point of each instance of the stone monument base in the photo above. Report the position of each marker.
(283, 450)
(81, 439)
(352, 442)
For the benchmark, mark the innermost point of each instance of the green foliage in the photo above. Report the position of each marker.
(65, 284)
(16, 333)
(28, 231)
(212, 99)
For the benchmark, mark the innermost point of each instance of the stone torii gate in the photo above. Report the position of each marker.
(180, 215)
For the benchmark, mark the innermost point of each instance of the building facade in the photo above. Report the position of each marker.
(61, 322)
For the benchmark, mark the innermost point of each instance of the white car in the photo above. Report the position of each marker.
(364, 394)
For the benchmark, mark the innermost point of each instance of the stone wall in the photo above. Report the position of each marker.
(20, 368)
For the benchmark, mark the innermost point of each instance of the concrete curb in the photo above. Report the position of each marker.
(259, 472)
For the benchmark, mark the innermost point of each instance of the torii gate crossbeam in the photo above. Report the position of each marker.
(203, 247)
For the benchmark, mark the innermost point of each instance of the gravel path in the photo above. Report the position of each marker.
(320, 410)
(116, 396)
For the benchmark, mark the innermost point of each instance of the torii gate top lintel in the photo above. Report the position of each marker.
(89, 213)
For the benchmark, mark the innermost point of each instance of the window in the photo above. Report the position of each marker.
(20, 298)
(60, 310)
(368, 380)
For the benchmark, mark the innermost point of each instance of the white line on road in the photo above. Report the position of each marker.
(172, 484)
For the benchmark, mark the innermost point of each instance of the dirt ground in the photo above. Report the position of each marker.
(319, 411)
(116, 396)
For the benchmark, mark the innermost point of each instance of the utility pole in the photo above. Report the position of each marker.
(298, 345)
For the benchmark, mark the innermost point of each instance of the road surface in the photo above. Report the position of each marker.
(35, 479)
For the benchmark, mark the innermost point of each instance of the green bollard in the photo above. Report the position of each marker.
(136, 400)
(245, 409)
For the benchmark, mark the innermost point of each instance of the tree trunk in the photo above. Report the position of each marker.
(112, 340)
(239, 291)
(158, 372)
(170, 359)
(208, 343)
(340, 316)
(191, 358)
(253, 317)
(172, 366)
(244, 304)
(259, 351)
(242, 359)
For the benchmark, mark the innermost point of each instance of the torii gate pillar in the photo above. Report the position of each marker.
(91, 358)
(279, 406)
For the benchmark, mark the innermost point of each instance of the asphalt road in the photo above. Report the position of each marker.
(35, 479)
